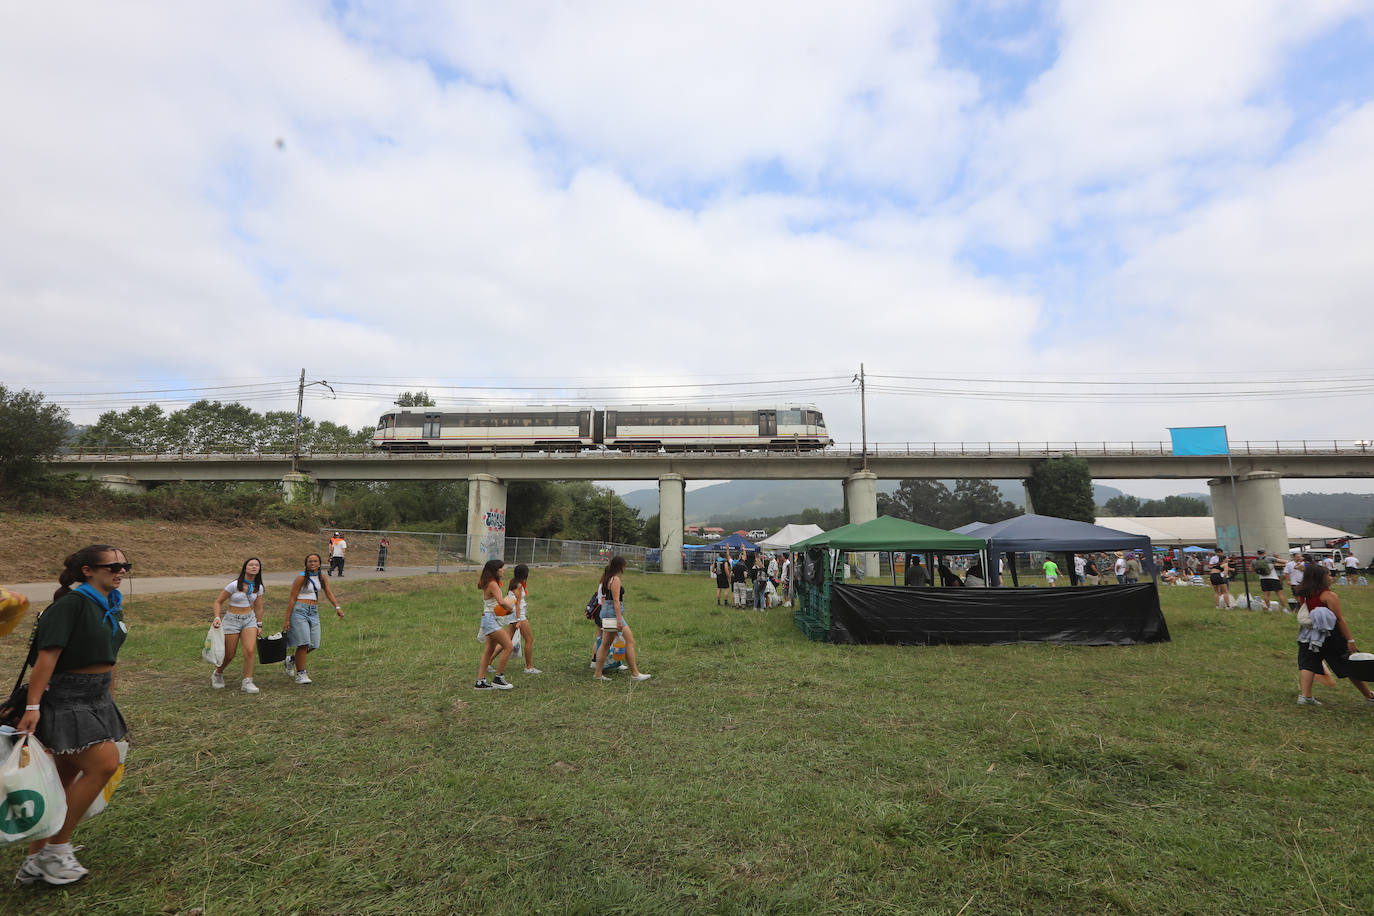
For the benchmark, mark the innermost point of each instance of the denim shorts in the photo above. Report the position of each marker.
(232, 623)
(490, 624)
(607, 612)
(305, 625)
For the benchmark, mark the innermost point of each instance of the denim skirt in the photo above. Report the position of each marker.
(77, 712)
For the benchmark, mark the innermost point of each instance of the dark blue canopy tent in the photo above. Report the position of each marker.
(735, 542)
(1047, 534)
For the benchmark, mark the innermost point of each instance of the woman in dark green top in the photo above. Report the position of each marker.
(70, 709)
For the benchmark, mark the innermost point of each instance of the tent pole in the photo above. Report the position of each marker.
(1235, 502)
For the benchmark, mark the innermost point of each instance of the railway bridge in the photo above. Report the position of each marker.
(1257, 467)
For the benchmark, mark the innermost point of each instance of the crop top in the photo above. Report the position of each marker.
(243, 599)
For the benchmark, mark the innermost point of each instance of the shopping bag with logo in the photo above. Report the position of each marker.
(214, 646)
(34, 805)
(103, 799)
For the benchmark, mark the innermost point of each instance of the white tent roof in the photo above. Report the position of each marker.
(789, 535)
(1185, 530)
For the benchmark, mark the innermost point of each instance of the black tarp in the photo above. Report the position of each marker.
(1117, 615)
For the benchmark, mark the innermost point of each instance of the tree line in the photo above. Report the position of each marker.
(33, 431)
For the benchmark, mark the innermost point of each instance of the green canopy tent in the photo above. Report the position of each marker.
(883, 533)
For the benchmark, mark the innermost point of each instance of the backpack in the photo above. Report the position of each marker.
(1263, 569)
(594, 604)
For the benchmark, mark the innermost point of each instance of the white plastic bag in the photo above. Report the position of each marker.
(515, 645)
(103, 799)
(34, 804)
(214, 646)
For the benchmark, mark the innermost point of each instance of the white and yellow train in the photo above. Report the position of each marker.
(659, 427)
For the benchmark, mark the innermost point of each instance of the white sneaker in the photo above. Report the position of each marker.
(303, 678)
(217, 679)
(59, 867)
(248, 686)
(1308, 701)
(501, 683)
(641, 677)
(29, 872)
(290, 666)
(533, 671)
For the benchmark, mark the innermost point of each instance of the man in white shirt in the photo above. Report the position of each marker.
(337, 546)
(1079, 564)
(1352, 565)
(1292, 571)
(1330, 563)
(787, 579)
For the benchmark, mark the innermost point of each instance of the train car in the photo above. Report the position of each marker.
(790, 427)
(556, 428)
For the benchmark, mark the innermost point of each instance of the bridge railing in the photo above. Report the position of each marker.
(991, 449)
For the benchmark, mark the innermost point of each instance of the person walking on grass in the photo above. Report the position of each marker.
(738, 572)
(1219, 573)
(69, 708)
(1326, 638)
(303, 617)
(721, 570)
(612, 617)
(243, 621)
(758, 578)
(491, 632)
(1051, 571)
(382, 548)
(1271, 589)
(519, 588)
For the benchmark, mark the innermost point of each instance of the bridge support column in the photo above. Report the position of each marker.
(1030, 508)
(670, 521)
(121, 483)
(329, 493)
(861, 498)
(1261, 522)
(486, 518)
(299, 488)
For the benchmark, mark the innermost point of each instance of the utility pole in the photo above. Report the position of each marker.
(300, 415)
(610, 516)
(863, 412)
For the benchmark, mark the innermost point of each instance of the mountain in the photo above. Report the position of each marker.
(766, 498)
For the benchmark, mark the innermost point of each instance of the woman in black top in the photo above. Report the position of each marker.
(70, 709)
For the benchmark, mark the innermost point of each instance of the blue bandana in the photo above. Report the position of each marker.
(111, 605)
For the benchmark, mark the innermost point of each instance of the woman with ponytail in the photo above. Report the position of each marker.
(243, 621)
(75, 644)
(303, 616)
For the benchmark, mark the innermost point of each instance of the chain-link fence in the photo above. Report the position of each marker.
(450, 552)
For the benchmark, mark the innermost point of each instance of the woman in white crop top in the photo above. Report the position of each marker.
(519, 589)
(303, 616)
(243, 621)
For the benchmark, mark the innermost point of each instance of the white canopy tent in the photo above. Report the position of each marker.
(789, 535)
(1184, 530)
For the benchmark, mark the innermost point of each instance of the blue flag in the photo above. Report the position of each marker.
(1199, 440)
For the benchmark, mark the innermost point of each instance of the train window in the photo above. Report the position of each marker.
(431, 427)
(790, 417)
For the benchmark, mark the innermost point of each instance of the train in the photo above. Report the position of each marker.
(657, 427)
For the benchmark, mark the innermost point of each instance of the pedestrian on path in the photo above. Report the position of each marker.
(337, 548)
(491, 632)
(243, 622)
(76, 643)
(303, 616)
(381, 553)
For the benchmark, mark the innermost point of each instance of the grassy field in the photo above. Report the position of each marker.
(756, 773)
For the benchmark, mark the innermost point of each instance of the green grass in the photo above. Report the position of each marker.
(756, 773)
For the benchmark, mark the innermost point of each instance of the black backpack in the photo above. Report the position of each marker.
(594, 604)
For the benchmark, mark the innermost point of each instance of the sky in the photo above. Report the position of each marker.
(1163, 206)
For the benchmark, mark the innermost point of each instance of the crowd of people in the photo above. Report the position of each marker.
(759, 581)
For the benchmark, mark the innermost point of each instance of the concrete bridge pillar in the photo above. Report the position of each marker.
(329, 493)
(1261, 522)
(1030, 508)
(486, 519)
(670, 521)
(121, 483)
(298, 488)
(861, 497)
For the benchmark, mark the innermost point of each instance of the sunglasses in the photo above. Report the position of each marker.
(113, 567)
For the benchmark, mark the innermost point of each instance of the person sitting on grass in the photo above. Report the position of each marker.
(1326, 638)
(244, 595)
(303, 617)
(491, 632)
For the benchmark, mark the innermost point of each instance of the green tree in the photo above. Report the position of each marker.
(649, 537)
(1062, 487)
(975, 500)
(1176, 505)
(598, 514)
(1123, 506)
(414, 399)
(142, 429)
(535, 509)
(31, 432)
(926, 502)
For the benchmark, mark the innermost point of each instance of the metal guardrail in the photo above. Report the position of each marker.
(988, 449)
